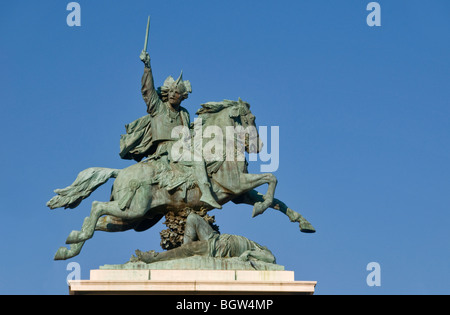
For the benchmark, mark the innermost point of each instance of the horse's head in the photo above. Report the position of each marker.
(241, 114)
(235, 114)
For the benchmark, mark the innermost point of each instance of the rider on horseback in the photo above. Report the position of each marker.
(151, 136)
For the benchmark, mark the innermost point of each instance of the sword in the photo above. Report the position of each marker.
(146, 34)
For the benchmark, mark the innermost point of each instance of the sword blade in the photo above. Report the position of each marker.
(146, 34)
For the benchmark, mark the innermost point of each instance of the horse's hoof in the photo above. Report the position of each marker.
(74, 237)
(306, 227)
(258, 208)
(61, 254)
(211, 202)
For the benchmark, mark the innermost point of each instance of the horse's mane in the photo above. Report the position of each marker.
(215, 107)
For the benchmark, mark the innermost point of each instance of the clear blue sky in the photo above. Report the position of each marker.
(363, 112)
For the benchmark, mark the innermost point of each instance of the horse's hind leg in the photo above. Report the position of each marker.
(109, 223)
(64, 253)
(98, 209)
(106, 223)
(88, 227)
(135, 208)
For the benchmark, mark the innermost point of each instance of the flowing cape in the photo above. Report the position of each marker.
(136, 143)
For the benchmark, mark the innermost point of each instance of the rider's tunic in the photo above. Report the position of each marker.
(151, 135)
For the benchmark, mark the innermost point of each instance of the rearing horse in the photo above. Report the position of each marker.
(138, 201)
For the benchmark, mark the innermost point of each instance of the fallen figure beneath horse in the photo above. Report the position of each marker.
(201, 240)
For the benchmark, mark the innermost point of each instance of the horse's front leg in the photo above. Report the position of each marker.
(253, 197)
(251, 181)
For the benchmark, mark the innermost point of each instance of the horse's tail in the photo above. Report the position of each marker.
(86, 182)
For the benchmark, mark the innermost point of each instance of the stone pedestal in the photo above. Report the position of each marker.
(191, 282)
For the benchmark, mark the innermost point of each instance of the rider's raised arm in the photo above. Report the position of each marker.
(148, 90)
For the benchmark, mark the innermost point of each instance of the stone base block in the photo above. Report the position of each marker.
(189, 282)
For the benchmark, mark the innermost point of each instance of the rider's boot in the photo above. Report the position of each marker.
(207, 196)
(204, 185)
